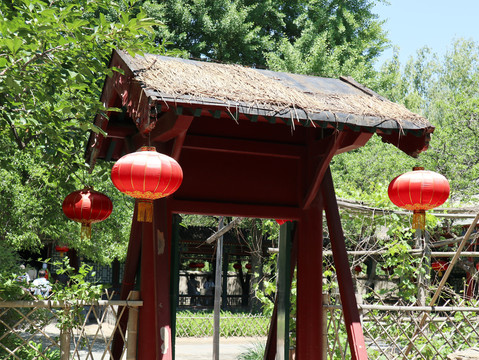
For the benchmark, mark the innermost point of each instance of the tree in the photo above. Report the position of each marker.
(53, 61)
(327, 37)
(445, 92)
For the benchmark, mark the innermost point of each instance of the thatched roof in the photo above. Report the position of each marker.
(266, 93)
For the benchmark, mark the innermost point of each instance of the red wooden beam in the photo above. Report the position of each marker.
(333, 145)
(345, 281)
(244, 147)
(309, 309)
(353, 140)
(232, 209)
(170, 125)
(178, 146)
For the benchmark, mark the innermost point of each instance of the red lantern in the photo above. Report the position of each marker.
(357, 269)
(87, 207)
(61, 249)
(249, 267)
(282, 221)
(237, 266)
(146, 175)
(440, 266)
(419, 190)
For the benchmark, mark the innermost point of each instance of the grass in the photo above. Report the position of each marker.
(200, 324)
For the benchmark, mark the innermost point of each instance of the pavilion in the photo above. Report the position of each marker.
(251, 143)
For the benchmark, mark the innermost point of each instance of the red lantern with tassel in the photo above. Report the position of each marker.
(146, 175)
(237, 266)
(61, 249)
(440, 266)
(87, 207)
(419, 190)
(357, 269)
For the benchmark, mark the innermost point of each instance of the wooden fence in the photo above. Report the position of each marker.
(30, 330)
(395, 331)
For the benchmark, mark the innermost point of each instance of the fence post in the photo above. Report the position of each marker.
(325, 326)
(359, 301)
(132, 328)
(65, 345)
(65, 338)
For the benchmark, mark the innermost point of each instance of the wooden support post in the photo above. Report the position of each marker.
(270, 348)
(283, 289)
(217, 300)
(271, 343)
(175, 277)
(154, 333)
(128, 282)
(309, 309)
(164, 225)
(65, 338)
(132, 328)
(224, 279)
(345, 281)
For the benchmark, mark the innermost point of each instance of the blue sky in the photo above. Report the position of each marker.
(413, 24)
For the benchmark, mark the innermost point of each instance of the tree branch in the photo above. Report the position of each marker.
(18, 140)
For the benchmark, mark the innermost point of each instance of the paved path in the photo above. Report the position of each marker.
(202, 348)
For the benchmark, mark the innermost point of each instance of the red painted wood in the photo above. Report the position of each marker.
(345, 281)
(148, 331)
(172, 127)
(332, 146)
(309, 316)
(270, 348)
(244, 179)
(178, 146)
(154, 332)
(233, 209)
(164, 228)
(128, 282)
(244, 147)
(353, 140)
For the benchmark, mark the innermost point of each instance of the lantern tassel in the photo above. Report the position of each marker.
(85, 231)
(145, 211)
(419, 219)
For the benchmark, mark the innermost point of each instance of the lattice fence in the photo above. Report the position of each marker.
(29, 330)
(394, 332)
(243, 324)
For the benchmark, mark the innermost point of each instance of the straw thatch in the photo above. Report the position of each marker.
(234, 84)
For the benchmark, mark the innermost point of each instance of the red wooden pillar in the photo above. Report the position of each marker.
(309, 306)
(154, 332)
(345, 281)
(128, 282)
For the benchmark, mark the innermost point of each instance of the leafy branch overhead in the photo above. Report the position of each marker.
(53, 61)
